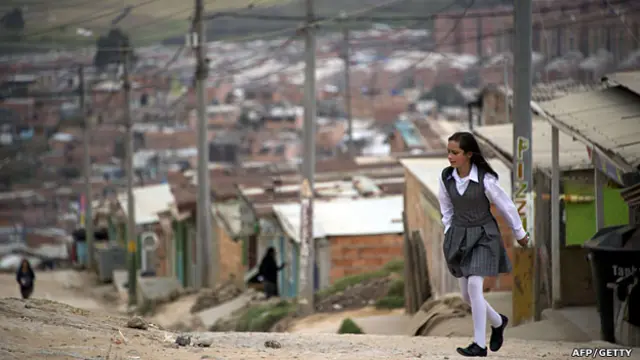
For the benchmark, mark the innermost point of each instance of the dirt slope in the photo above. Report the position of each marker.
(43, 329)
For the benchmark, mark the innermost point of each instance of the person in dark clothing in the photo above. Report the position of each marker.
(26, 279)
(269, 272)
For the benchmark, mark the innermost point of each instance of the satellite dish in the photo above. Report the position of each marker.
(149, 241)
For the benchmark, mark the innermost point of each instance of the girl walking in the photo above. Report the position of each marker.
(473, 246)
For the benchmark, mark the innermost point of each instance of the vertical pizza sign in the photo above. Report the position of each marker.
(523, 195)
(306, 232)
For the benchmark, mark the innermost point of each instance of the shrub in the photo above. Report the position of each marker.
(390, 302)
(396, 288)
(261, 318)
(394, 266)
(348, 326)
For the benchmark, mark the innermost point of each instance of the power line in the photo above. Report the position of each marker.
(155, 21)
(446, 36)
(400, 18)
(596, 19)
(85, 19)
(316, 23)
(622, 20)
(463, 41)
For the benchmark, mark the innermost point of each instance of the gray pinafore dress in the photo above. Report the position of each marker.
(472, 244)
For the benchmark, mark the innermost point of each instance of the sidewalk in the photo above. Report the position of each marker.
(210, 316)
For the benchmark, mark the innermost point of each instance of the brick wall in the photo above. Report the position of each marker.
(457, 35)
(230, 252)
(352, 255)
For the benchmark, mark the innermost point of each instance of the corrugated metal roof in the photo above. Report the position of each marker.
(289, 218)
(628, 79)
(409, 133)
(428, 172)
(149, 201)
(609, 118)
(573, 154)
(374, 216)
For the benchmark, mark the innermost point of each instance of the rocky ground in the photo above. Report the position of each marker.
(355, 296)
(44, 329)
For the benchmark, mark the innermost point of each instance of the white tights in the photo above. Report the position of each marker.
(472, 293)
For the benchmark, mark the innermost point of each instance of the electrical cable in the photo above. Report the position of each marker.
(402, 18)
(622, 20)
(85, 19)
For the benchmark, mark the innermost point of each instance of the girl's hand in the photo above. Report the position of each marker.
(524, 241)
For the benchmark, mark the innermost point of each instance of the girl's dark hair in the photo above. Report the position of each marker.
(468, 144)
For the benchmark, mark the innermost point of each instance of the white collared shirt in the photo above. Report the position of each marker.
(494, 193)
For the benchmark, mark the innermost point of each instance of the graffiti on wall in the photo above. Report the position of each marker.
(522, 189)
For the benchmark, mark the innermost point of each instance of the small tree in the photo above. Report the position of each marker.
(349, 326)
(13, 21)
(111, 49)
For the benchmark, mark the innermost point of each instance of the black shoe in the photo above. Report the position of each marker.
(497, 334)
(472, 350)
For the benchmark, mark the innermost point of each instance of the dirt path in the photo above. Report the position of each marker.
(39, 329)
(66, 286)
(371, 320)
(170, 314)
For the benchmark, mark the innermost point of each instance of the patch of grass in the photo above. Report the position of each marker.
(394, 266)
(396, 288)
(349, 326)
(262, 317)
(390, 302)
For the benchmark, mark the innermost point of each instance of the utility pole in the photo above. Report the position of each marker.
(205, 242)
(307, 253)
(507, 90)
(347, 83)
(525, 259)
(88, 195)
(132, 233)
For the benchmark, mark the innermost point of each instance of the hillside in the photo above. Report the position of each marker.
(222, 28)
(146, 21)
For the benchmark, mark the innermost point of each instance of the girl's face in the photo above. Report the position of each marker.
(456, 156)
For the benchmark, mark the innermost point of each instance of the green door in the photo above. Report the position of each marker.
(180, 252)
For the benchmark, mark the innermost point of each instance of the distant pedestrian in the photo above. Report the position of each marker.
(26, 279)
(269, 272)
(473, 246)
